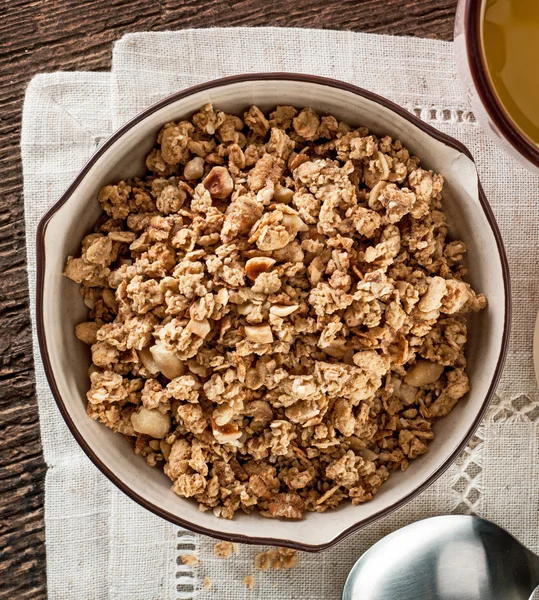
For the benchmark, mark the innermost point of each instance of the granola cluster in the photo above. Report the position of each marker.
(276, 315)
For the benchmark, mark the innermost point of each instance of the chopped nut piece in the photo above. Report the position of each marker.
(273, 238)
(87, 332)
(283, 194)
(249, 582)
(376, 170)
(260, 334)
(146, 358)
(206, 583)
(125, 237)
(167, 361)
(99, 253)
(225, 434)
(200, 328)
(194, 169)
(432, 300)
(423, 373)
(219, 183)
(151, 422)
(260, 264)
(374, 194)
(245, 309)
(281, 310)
(294, 224)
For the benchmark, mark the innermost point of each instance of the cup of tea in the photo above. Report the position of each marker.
(497, 53)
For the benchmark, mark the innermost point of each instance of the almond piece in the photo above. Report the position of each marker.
(257, 265)
(92, 369)
(403, 391)
(87, 332)
(384, 167)
(260, 334)
(423, 372)
(281, 310)
(167, 361)
(165, 448)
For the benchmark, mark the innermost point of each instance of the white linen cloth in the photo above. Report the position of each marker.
(100, 544)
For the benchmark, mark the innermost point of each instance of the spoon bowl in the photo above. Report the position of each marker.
(455, 557)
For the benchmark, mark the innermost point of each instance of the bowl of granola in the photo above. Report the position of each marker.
(273, 308)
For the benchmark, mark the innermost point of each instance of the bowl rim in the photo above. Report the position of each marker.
(117, 479)
(473, 20)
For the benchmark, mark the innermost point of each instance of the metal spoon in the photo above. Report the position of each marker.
(445, 558)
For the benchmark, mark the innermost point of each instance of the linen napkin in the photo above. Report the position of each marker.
(100, 545)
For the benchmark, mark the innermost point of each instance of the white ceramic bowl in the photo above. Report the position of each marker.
(60, 307)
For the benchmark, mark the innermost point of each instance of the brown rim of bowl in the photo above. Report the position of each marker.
(114, 478)
(485, 90)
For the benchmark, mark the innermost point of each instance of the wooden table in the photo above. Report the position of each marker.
(48, 35)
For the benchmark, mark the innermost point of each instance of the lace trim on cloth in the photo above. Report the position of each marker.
(467, 482)
(187, 544)
(520, 408)
(440, 114)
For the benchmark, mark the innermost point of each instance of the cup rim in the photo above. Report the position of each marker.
(117, 479)
(473, 18)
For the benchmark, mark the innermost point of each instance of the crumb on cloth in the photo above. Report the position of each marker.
(225, 549)
(189, 559)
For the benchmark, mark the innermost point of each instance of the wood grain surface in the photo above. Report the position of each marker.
(47, 35)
